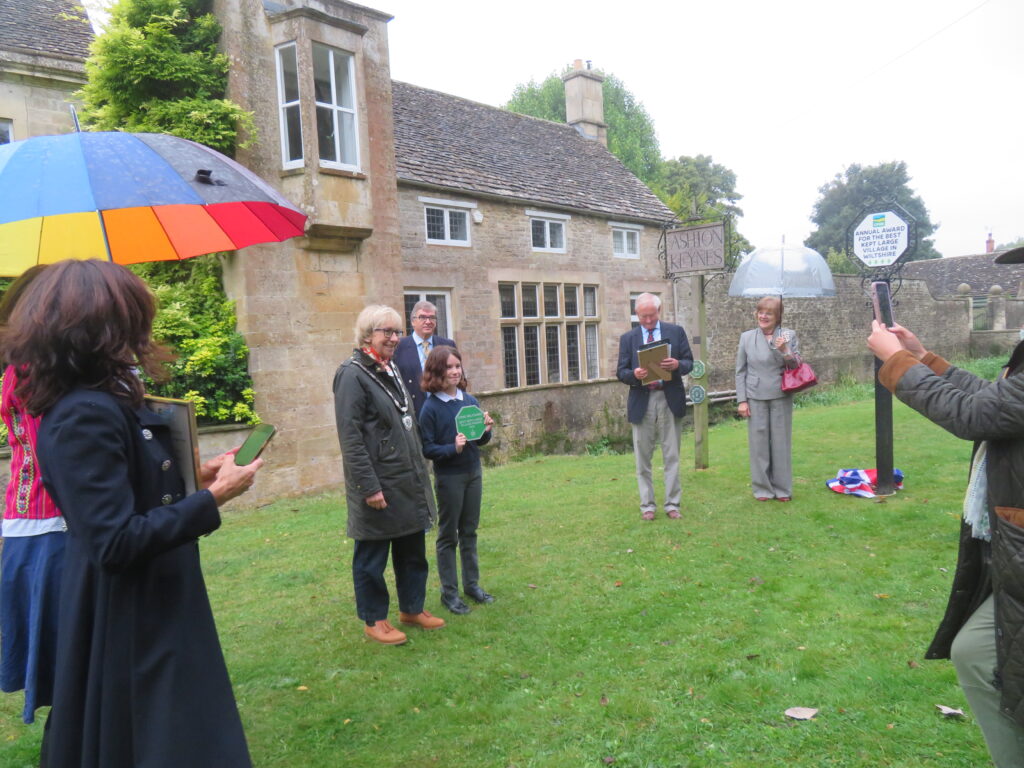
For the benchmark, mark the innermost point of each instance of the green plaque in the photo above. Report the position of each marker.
(699, 370)
(470, 422)
(697, 394)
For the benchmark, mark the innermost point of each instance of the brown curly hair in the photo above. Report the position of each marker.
(83, 324)
(436, 369)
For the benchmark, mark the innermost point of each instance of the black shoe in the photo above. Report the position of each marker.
(455, 605)
(476, 594)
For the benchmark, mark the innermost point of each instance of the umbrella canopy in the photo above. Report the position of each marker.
(783, 270)
(131, 197)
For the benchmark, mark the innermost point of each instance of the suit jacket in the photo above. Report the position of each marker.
(759, 366)
(679, 348)
(407, 358)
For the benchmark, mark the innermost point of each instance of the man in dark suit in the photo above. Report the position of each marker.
(412, 351)
(655, 409)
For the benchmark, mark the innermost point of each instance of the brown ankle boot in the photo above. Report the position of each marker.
(423, 620)
(383, 632)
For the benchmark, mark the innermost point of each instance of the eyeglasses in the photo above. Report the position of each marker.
(426, 318)
(389, 332)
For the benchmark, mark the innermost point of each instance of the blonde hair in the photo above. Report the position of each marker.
(376, 316)
(772, 304)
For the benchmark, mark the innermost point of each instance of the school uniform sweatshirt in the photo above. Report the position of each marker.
(437, 429)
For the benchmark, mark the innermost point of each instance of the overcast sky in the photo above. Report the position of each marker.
(785, 93)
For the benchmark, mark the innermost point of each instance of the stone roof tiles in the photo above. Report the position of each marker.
(45, 26)
(445, 141)
(978, 271)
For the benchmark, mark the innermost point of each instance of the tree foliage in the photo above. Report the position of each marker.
(699, 184)
(631, 136)
(847, 195)
(1012, 244)
(156, 68)
(198, 321)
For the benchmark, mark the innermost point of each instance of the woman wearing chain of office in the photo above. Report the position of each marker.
(390, 504)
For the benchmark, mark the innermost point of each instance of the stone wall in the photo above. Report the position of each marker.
(297, 301)
(35, 92)
(832, 332)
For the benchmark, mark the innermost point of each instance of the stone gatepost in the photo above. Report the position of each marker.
(996, 309)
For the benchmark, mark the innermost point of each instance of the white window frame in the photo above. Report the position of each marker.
(338, 110)
(284, 106)
(449, 207)
(440, 298)
(626, 232)
(549, 219)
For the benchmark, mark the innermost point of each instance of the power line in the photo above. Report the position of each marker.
(930, 37)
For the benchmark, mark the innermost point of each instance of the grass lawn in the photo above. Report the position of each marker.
(614, 641)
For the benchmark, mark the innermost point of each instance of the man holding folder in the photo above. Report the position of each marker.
(653, 360)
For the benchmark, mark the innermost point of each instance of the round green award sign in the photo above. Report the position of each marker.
(470, 422)
(699, 369)
(697, 394)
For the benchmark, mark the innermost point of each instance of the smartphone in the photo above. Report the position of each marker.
(254, 444)
(882, 302)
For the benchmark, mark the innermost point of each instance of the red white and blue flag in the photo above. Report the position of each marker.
(861, 482)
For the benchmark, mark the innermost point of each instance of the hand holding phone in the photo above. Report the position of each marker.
(881, 301)
(254, 444)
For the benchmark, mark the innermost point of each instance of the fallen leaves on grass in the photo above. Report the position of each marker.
(604, 700)
(949, 711)
(801, 713)
(881, 595)
(913, 664)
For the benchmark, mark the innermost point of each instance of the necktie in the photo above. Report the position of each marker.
(426, 347)
(654, 384)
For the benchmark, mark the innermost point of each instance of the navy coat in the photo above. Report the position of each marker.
(679, 348)
(407, 358)
(141, 681)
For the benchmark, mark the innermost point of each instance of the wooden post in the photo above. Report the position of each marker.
(700, 410)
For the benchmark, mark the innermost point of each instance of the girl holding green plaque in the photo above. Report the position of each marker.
(457, 474)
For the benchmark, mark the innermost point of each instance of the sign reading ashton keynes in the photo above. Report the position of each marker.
(700, 248)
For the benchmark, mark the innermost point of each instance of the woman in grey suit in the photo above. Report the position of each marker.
(763, 353)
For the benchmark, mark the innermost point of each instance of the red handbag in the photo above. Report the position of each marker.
(798, 379)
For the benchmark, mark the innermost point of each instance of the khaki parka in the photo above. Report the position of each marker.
(382, 451)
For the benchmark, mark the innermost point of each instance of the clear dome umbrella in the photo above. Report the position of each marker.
(783, 270)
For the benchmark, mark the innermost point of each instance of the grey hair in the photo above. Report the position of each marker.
(648, 298)
(375, 316)
(424, 304)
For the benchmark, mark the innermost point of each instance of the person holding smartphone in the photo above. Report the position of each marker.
(982, 630)
(458, 474)
(140, 676)
(763, 353)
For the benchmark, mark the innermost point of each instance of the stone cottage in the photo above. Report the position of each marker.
(530, 237)
(43, 46)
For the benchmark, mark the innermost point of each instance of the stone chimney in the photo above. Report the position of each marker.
(584, 102)
(990, 244)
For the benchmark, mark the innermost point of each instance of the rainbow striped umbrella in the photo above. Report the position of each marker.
(130, 197)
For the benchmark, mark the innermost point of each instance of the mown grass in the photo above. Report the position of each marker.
(613, 641)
